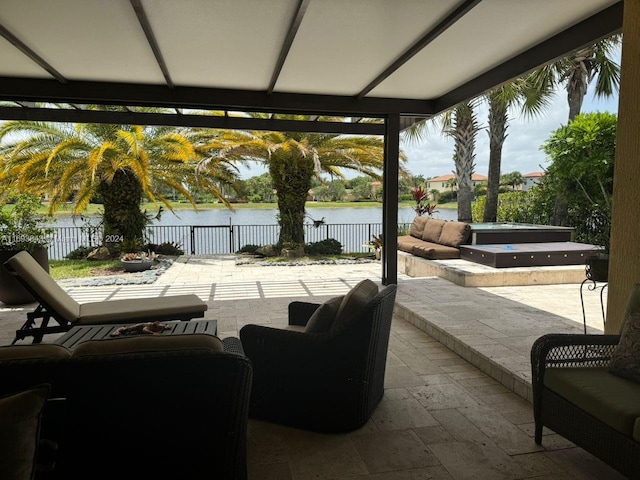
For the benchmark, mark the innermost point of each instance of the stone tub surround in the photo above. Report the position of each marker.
(468, 274)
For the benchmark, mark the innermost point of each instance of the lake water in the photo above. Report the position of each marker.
(247, 216)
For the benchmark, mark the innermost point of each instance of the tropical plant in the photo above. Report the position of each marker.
(293, 159)
(329, 246)
(21, 226)
(512, 179)
(533, 98)
(576, 72)
(120, 164)
(421, 197)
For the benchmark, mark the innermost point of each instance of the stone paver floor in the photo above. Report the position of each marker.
(441, 417)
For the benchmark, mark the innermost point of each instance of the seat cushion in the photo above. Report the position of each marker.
(625, 359)
(432, 230)
(407, 242)
(417, 227)
(454, 234)
(435, 251)
(136, 309)
(20, 418)
(611, 399)
(323, 318)
(148, 344)
(355, 300)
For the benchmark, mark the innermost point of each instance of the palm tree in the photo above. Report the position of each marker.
(293, 159)
(120, 164)
(462, 126)
(576, 72)
(533, 100)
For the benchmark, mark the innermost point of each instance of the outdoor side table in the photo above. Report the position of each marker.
(80, 334)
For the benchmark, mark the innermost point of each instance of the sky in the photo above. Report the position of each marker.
(521, 152)
(433, 156)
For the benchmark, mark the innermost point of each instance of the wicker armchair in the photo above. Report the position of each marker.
(563, 417)
(326, 382)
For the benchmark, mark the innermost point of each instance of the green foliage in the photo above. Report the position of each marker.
(21, 227)
(79, 253)
(332, 191)
(582, 156)
(173, 249)
(330, 246)
(512, 179)
(248, 248)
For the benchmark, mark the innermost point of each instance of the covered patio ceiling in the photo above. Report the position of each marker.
(353, 58)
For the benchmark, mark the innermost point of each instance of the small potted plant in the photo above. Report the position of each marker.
(137, 261)
(375, 244)
(21, 228)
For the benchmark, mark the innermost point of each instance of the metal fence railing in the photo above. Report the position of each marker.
(219, 239)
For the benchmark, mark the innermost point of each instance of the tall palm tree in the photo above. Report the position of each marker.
(576, 72)
(121, 164)
(533, 98)
(463, 127)
(293, 159)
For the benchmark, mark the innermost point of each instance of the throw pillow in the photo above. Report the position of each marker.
(323, 318)
(432, 230)
(355, 300)
(625, 360)
(20, 417)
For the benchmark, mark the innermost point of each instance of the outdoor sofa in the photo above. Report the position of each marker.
(435, 239)
(160, 407)
(587, 389)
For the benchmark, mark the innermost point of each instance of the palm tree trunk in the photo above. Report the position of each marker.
(122, 217)
(497, 135)
(291, 176)
(464, 134)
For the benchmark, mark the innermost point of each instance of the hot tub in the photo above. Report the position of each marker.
(496, 233)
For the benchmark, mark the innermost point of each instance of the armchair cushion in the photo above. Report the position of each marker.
(149, 343)
(625, 359)
(610, 399)
(322, 319)
(454, 234)
(355, 300)
(417, 227)
(20, 419)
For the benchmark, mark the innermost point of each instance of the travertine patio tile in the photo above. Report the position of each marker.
(442, 396)
(390, 451)
(583, 465)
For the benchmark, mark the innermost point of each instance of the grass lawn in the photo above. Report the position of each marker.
(61, 269)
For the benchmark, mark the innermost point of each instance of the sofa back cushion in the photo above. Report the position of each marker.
(432, 230)
(322, 319)
(148, 344)
(417, 227)
(454, 234)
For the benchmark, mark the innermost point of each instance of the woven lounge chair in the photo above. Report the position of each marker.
(55, 303)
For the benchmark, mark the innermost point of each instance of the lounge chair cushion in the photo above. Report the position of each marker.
(38, 351)
(625, 359)
(20, 417)
(45, 286)
(322, 319)
(407, 242)
(454, 234)
(417, 227)
(354, 301)
(432, 230)
(149, 343)
(434, 251)
(609, 398)
(131, 309)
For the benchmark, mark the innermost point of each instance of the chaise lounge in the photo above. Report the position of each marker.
(55, 303)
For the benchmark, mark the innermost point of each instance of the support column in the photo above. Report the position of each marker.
(624, 264)
(390, 200)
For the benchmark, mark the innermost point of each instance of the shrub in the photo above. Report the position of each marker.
(248, 249)
(79, 253)
(330, 246)
(166, 248)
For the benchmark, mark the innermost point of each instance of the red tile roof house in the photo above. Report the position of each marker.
(441, 183)
(531, 179)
